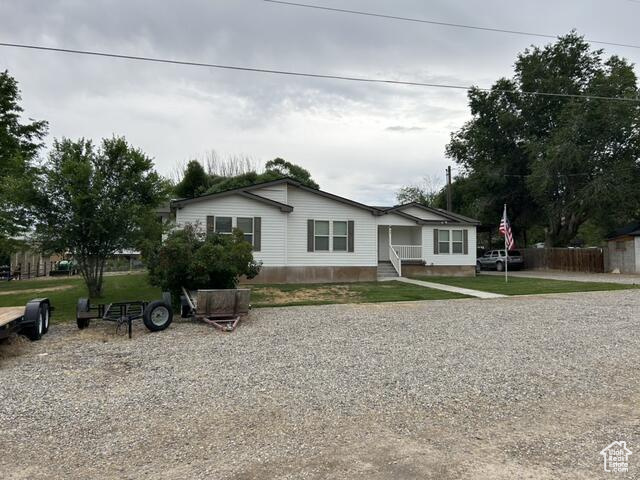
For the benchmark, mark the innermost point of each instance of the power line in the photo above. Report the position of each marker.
(442, 24)
(306, 74)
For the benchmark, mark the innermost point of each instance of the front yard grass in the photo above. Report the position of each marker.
(321, 294)
(523, 285)
(64, 293)
(117, 288)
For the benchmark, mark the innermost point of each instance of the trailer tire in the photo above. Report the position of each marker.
(34, 332)
(83, 305)
(157, 316)
(47, 316)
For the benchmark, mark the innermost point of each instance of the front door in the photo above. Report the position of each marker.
(383, 243)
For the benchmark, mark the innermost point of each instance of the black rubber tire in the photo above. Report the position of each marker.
(157, 316)
(83, 305)
(46, 308)
(478, 267)
(500, 267)
(34, 332)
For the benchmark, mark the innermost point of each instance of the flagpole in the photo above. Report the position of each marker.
(506, 251)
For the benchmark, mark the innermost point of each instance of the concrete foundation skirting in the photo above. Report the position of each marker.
(315, 275)
(439, 270)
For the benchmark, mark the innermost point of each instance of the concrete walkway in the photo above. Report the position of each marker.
(449, 288)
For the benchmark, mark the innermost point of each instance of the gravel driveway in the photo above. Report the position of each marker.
(522, 387)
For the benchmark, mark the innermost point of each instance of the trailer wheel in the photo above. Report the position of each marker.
(157, 316)
(34, 332)
(47, 315)
(83, 305)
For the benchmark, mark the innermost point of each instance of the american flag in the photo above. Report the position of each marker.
(505, 230)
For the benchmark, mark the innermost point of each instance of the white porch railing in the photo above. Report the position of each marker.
(408, 252)
(395, 260)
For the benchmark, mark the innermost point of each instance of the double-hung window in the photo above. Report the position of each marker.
(340, 235)
(321, 238)
(224, 225)
(443, 241)
(457, 242)
(246, 225)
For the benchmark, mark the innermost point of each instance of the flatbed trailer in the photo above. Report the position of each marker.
(31, 320)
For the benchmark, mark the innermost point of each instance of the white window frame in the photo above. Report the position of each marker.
(215, 226)
(315, 236)
(446, 242)
(345, 236)
(460, 242)
(253, 228)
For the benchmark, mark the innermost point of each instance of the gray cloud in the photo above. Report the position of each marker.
(402, 129)
(328, 126)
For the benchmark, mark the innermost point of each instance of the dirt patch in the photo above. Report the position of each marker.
(334, 294)
(14, 346)
(34, 290)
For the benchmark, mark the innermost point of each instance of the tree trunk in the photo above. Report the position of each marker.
(92, 270)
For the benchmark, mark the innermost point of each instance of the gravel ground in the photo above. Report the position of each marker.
(523, 387)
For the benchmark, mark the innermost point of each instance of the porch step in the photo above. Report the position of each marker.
(386, 270)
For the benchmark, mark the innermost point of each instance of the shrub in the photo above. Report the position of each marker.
(190, 259)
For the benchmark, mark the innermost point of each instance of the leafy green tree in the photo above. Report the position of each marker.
(91, 202)
(274, 169)
(20, 144)
(558, 161)
(195, 181)
(190, 259)
(424, 193)
(279, 167)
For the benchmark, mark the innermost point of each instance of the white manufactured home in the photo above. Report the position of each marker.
(301, 234)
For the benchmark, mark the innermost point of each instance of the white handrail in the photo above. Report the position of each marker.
(409, 252)
(395, 260)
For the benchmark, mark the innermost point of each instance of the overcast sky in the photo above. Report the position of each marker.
(358, 140)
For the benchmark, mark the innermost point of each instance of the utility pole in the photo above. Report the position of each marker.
(449, 205)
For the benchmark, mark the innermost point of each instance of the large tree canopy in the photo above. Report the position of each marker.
(196, 180)
(557, 161)
(92, 202)
(19, 145)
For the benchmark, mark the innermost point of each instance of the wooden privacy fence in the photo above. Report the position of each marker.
(590, 260)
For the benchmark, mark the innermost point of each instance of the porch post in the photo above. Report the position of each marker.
(389, 236)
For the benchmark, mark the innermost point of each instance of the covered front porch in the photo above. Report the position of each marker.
(399, 243)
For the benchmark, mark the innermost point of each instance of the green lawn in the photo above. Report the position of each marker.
(322, 294)
(116, 288)
(135, 287)
(522, 285)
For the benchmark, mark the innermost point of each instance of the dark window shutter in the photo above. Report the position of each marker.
(211, 222)
(257, 233)
(435, 241)
(465, 241)
(310, 236)
(350, 242)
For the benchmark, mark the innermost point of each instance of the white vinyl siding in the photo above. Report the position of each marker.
(277, 193)
(309, 206)
(274, 227)
(451, 258)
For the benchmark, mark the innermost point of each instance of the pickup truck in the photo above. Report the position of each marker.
(31, 320)
(495, 260)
